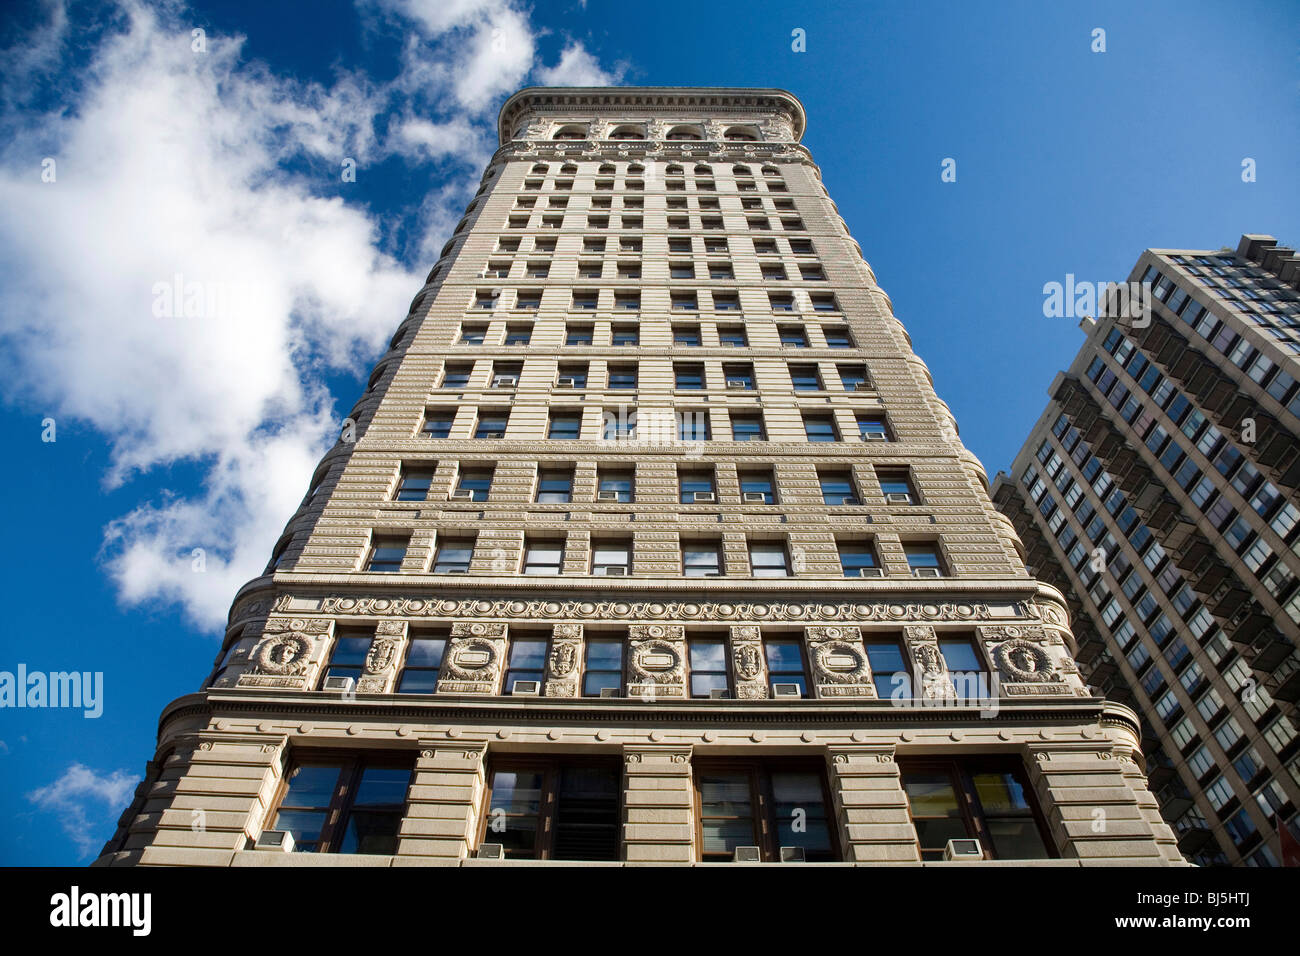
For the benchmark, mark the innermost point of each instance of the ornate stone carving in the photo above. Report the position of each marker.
(284, 656)
(472, 664)
(564, 661)
(657, 660)
(740, 611)
(748, 663)
(1029, 658)
(931, 670)
(1021, 660)
(839, 661)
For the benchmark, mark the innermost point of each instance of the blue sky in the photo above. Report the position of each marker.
(178, 432)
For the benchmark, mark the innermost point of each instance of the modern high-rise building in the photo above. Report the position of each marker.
(648, 541)
(1158, 492)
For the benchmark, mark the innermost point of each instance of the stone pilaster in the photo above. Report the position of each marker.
(869, 806)
(443, 810)
(1097, 806)
(212, 797)
(658, 804)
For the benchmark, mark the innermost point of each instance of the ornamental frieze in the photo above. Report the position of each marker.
(642, 610)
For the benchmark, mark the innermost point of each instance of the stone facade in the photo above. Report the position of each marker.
(528, 552)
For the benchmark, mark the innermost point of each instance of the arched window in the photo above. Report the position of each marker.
(606, 169)
(740, 134)
(635, 169)
(570, 132)
(541, 168)
(568, 169)
(702, 170)
(685, 133)
(771, 171)
(628, 132)
(741, 171)
(674, 170)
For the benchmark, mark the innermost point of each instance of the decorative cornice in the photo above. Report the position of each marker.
(649, 99)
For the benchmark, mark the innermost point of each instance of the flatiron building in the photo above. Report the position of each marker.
(649, 541)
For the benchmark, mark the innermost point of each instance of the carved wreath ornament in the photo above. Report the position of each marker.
(1023, 660)
(472, 660)
(284, 654)
(672, 671)
(837, 674)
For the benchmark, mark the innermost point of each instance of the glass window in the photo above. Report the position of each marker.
(952, 799)
(423, 662)
(527, 661)
(785, 663)
(768, 804)
(453, 555)
(889, 670)
(604, 669)
(344, 805)
(708, 666)
(543, 557)
(386, 554)
(768, 559)
(563, 809)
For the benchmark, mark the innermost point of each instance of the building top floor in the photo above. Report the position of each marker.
(634, 113)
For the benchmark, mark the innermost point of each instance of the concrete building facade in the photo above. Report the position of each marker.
(649, 541)
(1157, 491)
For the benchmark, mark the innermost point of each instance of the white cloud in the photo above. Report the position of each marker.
(577, 67)
(85, 802)
(180, 173)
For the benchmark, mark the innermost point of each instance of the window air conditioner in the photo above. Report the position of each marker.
(747, 854)
(717, 693)
(737, 383)
(614, 570)
(505, 381)
(786, 690)
(927, 572)
(963, 850)
(491, 851)
(699, 496)
(566, 382)
(793, 854)
(281, 840)
(870, 573)
(899, 498)
(607, 496)
(609, 692)
(526, 688)
(756, 497)
(874, 436)
(343, 684)
(462, 494)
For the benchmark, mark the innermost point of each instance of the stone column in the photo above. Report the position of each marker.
(658, 804)
(1097, 805)
(869, 805)
(444, 805)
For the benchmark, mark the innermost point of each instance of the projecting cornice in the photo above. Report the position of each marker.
(651, 100)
